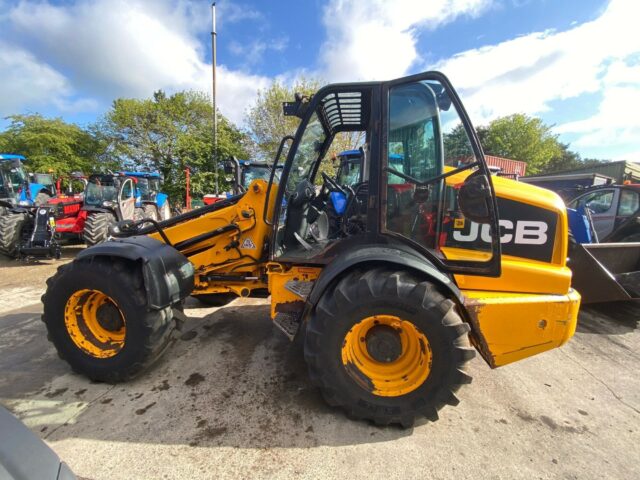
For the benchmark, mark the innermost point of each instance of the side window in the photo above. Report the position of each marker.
(127, 190)
(629, 203)
(597, 202)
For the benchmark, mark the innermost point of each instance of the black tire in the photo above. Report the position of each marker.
(42, 199)
(148, 332)
(381, 291)
(96, 227)
(165, 211)
(138, 214)
(151, 211)
(11, 228)
(215, 299)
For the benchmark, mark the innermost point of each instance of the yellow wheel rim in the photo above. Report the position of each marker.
(95, 323)
(387, 355)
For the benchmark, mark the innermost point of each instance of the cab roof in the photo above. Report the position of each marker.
(11, 156)
(141, 174)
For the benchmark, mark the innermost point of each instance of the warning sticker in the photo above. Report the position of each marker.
(248, 244)
(458, 223)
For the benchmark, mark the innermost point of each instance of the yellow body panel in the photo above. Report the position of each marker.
(521, 274)
(530, 308)
(233, 253)
(509, 326)
(283, 300)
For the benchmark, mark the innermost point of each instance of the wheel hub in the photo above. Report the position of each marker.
(384, 343)
(109, 317)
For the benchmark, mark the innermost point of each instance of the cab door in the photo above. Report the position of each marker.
(126, 200)
(436, 192)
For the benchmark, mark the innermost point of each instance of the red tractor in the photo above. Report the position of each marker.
(68, 203)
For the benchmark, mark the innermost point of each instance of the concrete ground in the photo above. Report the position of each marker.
(231, 399)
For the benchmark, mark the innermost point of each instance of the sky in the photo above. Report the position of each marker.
(574, 63)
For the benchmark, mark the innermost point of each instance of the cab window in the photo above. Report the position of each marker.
(425, 139)
(597, 202)
(127, 190)
(629, 203)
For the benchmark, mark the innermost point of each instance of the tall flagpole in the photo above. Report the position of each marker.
(213, 97)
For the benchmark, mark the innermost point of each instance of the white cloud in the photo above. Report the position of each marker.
(254, 52)
(526, 74)
(376, 40)
(110, 48)
(27, 83)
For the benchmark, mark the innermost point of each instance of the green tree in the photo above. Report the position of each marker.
(524, 138)
(568, 160)
(167, 133)
(456, 142)
(53, 145)
(267, 124)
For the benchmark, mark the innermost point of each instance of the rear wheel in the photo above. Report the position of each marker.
(388, 347)
(97, 318)
(151, 211)
(96, 227)
(215, 299)
(42, 198)
(12, 226)
(138, 214)
(165, 211)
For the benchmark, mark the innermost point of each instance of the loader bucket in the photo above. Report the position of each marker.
(606, 272)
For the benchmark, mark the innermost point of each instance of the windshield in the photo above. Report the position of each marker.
(307, 153)
(12, 177)
(349, 173)
(143, 188)
(99, 191)
(251, 173)
(43, 179)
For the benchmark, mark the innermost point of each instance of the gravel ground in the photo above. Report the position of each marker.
(231, 399)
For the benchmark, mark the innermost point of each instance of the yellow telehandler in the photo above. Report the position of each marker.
(432, 260)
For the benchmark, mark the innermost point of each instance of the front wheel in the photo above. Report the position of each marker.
(97, 317)
(388, 347)
(12, 226)
(96, 227)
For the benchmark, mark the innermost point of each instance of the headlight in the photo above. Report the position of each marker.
(24, 203)
(107, 204)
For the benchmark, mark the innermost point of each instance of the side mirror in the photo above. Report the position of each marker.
(474, 197)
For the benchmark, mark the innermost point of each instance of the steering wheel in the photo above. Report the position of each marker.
(332, 185)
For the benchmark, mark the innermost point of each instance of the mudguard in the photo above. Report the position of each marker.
(168, 275)
(391, 255)
(35, 189)
(161, 199)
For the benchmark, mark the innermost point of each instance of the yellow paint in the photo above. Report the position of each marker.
(458, 223)
(217, 255)
(510, 326)
(520, 274)
(395, 378)
(81, 321)
(278, 277)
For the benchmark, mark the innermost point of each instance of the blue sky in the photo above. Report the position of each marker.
(574, 63)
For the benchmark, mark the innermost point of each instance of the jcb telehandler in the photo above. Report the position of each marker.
(434, 258)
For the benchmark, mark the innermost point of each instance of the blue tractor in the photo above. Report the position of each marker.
(19, 189)
(23, 204)
(150, 201)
